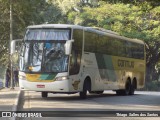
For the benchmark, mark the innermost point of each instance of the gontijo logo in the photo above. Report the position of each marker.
(125, 63)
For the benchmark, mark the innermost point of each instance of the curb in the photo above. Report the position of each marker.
(16, 104)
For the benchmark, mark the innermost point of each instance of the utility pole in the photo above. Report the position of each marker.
(11, 38)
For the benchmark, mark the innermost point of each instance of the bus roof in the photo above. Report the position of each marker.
(55, 26)
(92, 29)
(112, 34)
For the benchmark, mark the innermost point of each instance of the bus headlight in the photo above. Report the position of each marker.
(61, 78)
(22, 77)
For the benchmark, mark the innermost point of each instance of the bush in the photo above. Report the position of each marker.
(152, 86)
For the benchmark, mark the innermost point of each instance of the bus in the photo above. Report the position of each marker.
(63, 58)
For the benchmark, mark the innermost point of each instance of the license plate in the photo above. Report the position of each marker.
(40, 86)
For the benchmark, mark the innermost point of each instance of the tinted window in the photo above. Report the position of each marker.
(76, 54)
(90, 42)
(103, 44)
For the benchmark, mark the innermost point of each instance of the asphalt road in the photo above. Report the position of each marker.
(107, 106)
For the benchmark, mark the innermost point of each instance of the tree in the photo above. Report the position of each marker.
(25, 12)
(131, 18)
(4, 28)
(140, 20)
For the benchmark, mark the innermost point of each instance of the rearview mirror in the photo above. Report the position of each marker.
(14, 45)
(68, 47)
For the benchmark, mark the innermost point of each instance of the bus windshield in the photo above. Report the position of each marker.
(47, 34)
(39, 55)
(43, 57)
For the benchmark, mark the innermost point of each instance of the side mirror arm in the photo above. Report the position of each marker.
(68, 46)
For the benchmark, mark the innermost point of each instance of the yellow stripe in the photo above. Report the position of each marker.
(36, 78)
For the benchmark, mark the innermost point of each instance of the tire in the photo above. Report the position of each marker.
(83, 94)
(131, 92)
(126, 91)
(127, 88)
(99, 92)
(133, 87)
(86, 87)
(44, 94)
(120, 92)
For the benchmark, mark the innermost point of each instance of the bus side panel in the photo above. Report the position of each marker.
(75, 83)
(107, 72)
(129, 68)
(111, 72)
(101, 70)
(90, 68)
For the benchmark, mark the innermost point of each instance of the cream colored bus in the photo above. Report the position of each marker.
(62, 58)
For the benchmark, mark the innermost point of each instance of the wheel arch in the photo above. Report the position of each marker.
(88, 80)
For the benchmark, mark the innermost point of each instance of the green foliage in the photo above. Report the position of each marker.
(153, 86)
(25, 13)
(2, 72)
(136, 19)
(131, 18)
(4, 28)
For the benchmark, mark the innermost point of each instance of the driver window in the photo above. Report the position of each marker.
(75, 62)
(76, 53)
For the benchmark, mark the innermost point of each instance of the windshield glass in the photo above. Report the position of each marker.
(47, 34)
(55, 59)
(43, 57)
(43, 51)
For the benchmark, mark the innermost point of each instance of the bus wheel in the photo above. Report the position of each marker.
(131, 92)
(44, 94)
(119, 92)
(127, 88)
(86, 86)
(133, 87)
(99, 92)
(125, 91)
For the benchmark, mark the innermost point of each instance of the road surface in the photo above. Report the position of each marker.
(106, 106)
